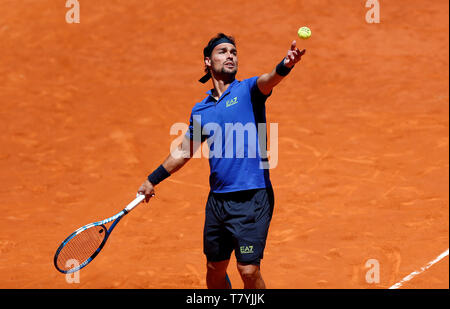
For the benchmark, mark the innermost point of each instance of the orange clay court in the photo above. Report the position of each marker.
(363, 147)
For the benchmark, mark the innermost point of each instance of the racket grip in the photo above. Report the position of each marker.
(139, 198)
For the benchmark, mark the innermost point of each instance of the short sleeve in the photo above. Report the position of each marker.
(194, 131)
(257, 96)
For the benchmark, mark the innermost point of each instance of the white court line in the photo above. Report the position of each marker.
(418, 272)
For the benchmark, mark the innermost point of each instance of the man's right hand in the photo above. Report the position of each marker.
(147, 189)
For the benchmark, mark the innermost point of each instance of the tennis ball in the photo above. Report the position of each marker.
(304, 33)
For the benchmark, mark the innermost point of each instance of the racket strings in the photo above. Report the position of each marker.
(81, 247)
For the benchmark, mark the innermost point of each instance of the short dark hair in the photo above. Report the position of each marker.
(207, 50)
(219, 36)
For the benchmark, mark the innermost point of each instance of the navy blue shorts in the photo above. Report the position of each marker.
(237, 221)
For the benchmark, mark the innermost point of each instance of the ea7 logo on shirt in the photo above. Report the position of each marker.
(231, 102)
(246, 249)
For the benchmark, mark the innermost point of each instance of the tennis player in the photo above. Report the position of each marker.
(240, 203)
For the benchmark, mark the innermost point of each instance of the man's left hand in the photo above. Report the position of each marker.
(294, 55)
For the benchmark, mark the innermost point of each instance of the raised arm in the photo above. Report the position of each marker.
(267, 81)
(174, 161)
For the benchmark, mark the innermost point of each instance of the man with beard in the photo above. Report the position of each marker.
(241, 200)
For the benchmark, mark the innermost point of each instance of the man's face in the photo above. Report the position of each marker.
(223, 59)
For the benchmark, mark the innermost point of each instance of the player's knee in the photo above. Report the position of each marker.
(249, 272)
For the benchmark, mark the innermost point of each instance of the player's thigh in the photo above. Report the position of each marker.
(217, 240)
(251, 233)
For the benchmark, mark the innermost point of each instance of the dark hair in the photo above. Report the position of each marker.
(213, 43)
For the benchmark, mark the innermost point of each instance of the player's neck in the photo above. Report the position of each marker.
(220, 86)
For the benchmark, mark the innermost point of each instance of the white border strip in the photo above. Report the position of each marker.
(418, 272)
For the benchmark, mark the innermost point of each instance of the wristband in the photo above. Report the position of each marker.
(158, 175)
(281, 69)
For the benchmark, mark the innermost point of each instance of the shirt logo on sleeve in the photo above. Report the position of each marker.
(231, 102)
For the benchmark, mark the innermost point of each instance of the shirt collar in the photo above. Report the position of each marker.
(210, 96)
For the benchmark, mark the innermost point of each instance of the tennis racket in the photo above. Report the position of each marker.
(83, 245)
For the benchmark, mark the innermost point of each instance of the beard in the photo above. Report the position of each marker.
(224, 72)
(231, 72)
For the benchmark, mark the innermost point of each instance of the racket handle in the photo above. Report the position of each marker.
(139, 198)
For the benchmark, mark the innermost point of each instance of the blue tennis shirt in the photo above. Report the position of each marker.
(235, 129)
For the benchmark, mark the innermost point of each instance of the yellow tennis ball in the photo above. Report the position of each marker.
(304, 33)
